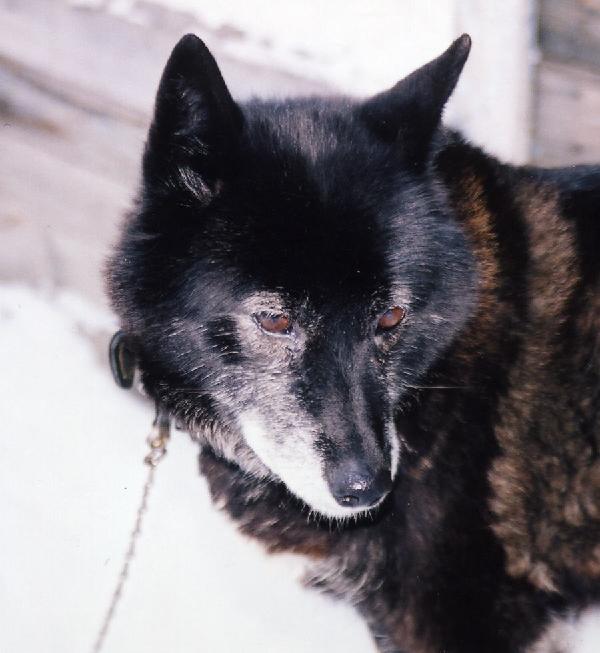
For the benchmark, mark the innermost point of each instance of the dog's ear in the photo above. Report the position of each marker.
(196, 122)
(410, 112)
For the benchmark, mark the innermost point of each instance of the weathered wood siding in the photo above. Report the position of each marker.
(76, 90)
(566, 121)
(77, 85)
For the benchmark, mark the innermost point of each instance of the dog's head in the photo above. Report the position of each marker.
(290, 269)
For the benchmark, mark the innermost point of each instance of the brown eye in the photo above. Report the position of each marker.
(278, 324)
(391, 318)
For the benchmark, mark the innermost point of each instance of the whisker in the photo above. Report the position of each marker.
(439, 387)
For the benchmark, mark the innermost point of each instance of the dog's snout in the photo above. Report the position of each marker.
(354, 485)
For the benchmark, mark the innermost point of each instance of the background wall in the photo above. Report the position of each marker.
(77, 80)
(566, 118)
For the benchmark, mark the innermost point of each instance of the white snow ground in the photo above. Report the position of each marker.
(70, 481)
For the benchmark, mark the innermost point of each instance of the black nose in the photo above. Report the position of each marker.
(355, 486)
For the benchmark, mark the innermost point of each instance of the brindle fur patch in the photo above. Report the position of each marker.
(547, 480)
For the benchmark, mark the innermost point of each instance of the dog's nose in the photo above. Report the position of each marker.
(355, 486)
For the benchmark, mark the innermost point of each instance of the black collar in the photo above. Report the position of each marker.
(122, 360)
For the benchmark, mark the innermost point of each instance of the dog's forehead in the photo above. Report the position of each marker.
(310, 255)
(309, 246)
(309, 209)
(318, 148)
(312, 127)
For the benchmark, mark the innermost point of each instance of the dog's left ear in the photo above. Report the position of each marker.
(410, 112)
(196, 122)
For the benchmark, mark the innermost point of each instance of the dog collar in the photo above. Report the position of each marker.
(123, 365)
(122, 360)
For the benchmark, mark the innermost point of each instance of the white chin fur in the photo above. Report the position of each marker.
(394, 448)
(576, 633)
(296, 464)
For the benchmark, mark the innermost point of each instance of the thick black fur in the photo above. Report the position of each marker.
(339, 207)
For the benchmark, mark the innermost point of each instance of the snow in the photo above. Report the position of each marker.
(586, 635)
(71, 477)
(571, 633)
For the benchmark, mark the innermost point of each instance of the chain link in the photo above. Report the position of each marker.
(157, 441)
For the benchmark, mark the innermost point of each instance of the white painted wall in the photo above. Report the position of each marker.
(494, 100)
(362, 47)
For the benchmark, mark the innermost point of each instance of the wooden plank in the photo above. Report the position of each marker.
(570, 31)
(567, 115)
(76, 92)
(98, 58)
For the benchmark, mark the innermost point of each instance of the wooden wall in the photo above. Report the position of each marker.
(566, 119)
(77, 85)
(76, 90)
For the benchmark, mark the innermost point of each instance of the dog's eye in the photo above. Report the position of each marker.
(279, 324)
(391, 318)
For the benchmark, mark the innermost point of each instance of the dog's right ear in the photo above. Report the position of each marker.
(196, 122)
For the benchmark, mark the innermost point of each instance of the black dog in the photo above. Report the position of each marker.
(389, 345)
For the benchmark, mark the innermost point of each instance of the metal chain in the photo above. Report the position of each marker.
(157, 440)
